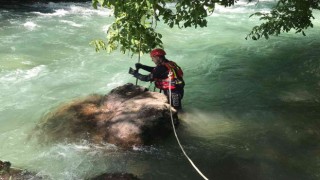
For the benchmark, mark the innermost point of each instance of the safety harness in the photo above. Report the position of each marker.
(174, 78)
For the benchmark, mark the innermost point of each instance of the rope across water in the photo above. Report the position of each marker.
(175, 133)
(174, 130)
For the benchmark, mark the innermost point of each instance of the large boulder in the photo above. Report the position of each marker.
(129, 115)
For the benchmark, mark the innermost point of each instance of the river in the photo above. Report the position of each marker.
(251, 107)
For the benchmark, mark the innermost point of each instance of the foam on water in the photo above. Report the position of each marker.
(75, 160)
(26, 62)
(116, 80)
(30, 25)
(71, 23)
(66, 9)
(105, 28)
(23, 75)
(244, 7)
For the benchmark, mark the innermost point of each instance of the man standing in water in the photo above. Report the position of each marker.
(166, 75)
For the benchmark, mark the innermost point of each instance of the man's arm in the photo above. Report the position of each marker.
(143, 77)
(144, 67)
(160, 72)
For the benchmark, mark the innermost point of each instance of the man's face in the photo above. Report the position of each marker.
(156, 60)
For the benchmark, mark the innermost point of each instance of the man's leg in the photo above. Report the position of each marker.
(176, 100)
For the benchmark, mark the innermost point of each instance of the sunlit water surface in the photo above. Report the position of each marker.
(251, 107)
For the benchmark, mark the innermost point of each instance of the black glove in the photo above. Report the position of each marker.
(132, 71)
(138, 65)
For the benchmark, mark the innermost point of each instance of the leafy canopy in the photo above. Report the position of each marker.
(134, 27)
(286, 15)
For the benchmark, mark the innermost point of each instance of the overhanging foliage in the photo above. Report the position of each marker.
(136, 20)
(134, 28)
(286, 15)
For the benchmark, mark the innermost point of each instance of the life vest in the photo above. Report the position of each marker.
(175, 76)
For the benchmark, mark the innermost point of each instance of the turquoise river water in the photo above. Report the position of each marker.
(251, 107)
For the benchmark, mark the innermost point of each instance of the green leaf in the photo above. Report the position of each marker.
(95, 4)
(143, 19)
(101, 2)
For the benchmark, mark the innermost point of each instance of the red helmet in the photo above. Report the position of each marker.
(157, 52)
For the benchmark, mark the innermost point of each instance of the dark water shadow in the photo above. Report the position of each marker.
(274, 98)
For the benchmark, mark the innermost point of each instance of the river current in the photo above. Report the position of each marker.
(251, 107)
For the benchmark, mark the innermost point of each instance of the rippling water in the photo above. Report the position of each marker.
(251, 107)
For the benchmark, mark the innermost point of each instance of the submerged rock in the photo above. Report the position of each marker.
(7, 173)
(129, 115)
(116, 176)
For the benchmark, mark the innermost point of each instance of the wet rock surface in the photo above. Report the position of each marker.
(9, 173)
(128, 116)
